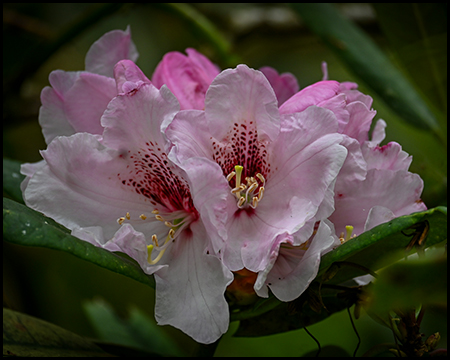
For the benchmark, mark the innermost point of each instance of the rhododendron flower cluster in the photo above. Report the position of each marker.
(200, 173)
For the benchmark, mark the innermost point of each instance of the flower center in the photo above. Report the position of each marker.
(249, 194)
(176, 222)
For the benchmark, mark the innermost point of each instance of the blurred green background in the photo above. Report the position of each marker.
(39, 38)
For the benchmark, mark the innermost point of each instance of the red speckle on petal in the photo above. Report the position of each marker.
(149, 174)
(242, 147)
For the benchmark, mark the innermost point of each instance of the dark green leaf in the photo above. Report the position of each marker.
(368, 62)
(411, 283)
(417, 33)
(27, 336)
(138, 331)
(294, 315)
(24, 226)
(385, 241)
(12, 179)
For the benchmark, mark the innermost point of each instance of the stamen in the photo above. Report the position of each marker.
(155, 239)
(253, 183)
(260, 177)
(142, 217)
(241, 201)
(155, 211)
(128, 216)
(237, 190)
(230, 175)
(168, 224)
(120, 220)
(252, 188)
(260, 193)
(159, 217)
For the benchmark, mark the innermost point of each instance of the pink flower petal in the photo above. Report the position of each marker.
(311, 95)
(74, 103)
(398, 191)
(134, 121)
(112, 47)
(188, 77)
(295, 267)
(128, 76)
(70, 192)
(190, 293)
(284, 85)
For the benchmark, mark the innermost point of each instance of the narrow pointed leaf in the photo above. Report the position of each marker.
(368, 62)
(24, 226)
(137, 331)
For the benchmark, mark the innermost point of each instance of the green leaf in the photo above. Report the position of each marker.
(25, 335)
(417, 33)
(373, 249)
(12, 179)
(368, 62)
(294, 315)
(385, 241)
(411, 283)
(138, 331)
(206, 29)
(24, 226)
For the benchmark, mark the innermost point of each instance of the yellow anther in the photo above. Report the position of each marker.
(252, 187)
(155, 211)
(168, 224)
(230, 175)
(241, 201)
(254, 202)
(172, 233)
(260, 177)
(128, 216)
(142, 217)
(120, 220)
(159, 217)
(155, 239)
(260, 193)
(237, 190)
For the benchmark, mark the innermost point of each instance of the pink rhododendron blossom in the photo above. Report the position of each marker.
(188, 77)
(121, 192)
(76, 100)
(388, 189)
(284, 85)
(374, 185)
(276, 171)
(199, 173)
